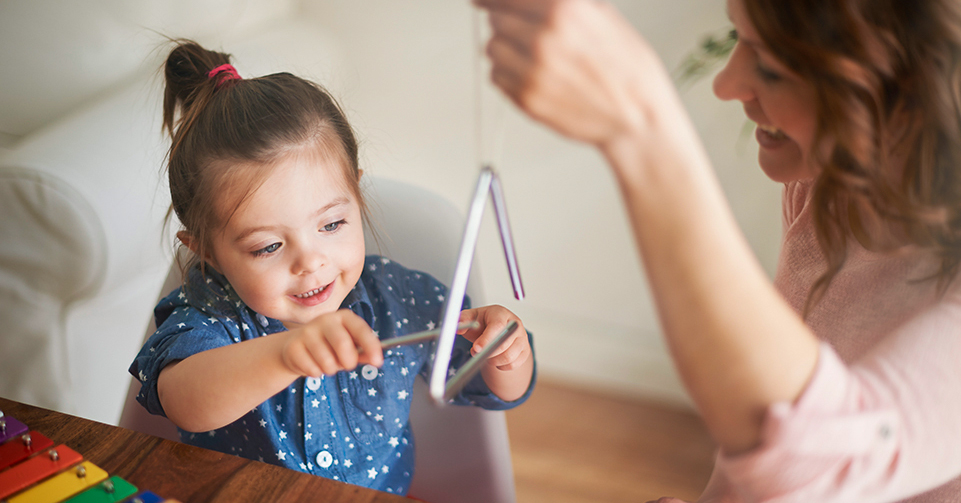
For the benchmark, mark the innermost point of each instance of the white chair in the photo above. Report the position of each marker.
(463, 453)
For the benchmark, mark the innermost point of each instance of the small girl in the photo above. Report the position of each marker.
(257, 353)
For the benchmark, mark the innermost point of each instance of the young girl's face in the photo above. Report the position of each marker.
(295, 247)
(779, 101)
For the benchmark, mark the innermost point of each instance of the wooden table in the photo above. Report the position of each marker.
(189, 474)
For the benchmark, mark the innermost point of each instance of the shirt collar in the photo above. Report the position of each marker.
(358, 301)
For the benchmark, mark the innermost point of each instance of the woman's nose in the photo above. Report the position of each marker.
(733, 81)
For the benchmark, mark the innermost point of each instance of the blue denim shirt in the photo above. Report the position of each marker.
(352, 426)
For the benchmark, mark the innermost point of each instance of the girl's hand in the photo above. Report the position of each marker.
(576, 65)
(330, 343)
(513, 352)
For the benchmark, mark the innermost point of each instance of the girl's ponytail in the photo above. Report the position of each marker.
(188, 86)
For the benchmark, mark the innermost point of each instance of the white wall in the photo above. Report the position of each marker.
(404, 72)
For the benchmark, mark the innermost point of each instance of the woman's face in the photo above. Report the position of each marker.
(775, 98)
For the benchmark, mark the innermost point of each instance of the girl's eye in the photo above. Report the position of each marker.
(266, 250)
(331, 227)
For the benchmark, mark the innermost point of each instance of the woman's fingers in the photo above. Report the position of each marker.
(576, 65)
(531, 9)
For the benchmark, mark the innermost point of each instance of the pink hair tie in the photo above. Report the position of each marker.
(223, 73)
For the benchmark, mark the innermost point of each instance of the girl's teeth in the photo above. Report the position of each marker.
(310, 293)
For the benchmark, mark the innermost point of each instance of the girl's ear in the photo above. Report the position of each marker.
(194, 246)
(188, 241)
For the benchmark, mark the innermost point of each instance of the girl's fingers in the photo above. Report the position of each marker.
(489, 336)
(514, 354)
(302, 363)
(342, 344)
(364, 338)
(323, 355)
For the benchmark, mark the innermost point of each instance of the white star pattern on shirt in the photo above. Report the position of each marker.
(280, 407)
(402, 394)
(142, 376)
(263, 424)
(315, 403)
(379, 417)
(353, 375)
(393, 441)
(348, 463)
(403, 371)
(308, 435)
(372, 473)
(384, 469)
(283, 434)
(281, 455)
(371, 392)
(430, 325)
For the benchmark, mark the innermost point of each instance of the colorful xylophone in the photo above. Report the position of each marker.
(33, 470)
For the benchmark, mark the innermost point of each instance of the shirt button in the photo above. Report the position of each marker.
(313, 384)
(369, 372)
(885, 431)
(324, 459)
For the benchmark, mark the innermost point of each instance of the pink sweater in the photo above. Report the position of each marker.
(880, 420)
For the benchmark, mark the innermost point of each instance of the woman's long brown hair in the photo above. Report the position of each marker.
(887, 75)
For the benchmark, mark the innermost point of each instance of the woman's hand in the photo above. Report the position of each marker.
(510, 367)
(576, 65)
(330, 343)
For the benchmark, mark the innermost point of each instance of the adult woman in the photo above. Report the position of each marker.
(839, 382)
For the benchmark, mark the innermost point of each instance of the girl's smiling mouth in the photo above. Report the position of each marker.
(315, 296)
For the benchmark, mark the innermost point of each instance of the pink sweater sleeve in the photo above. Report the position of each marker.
(885, 428)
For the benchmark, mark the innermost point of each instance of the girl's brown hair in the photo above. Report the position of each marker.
(226, 132)
(887, 75)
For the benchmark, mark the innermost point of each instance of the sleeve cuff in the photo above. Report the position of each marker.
(813, 448)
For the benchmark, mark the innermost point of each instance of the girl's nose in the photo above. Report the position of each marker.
(308, 260)
(733, 82)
